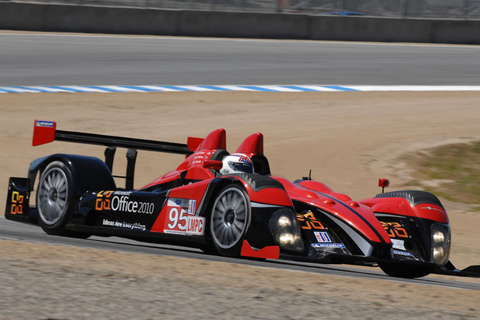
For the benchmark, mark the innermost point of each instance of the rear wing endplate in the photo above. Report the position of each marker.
(46, 132)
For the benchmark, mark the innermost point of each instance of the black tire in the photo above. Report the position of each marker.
(230, 220)
(209, 249)
(55, 199)
(400, 270)
(415, 197)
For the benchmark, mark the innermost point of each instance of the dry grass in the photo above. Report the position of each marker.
(451, 171)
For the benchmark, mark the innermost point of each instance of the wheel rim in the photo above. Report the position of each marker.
(229, 218)
(52, 196)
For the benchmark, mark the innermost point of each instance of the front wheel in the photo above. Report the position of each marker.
(55, 199)
(400, 270)
(230, 220)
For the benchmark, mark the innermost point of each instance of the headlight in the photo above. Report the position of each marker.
(440, 243)
(438, 254)
(286, 239)
(284, 221)
(285, 230)
(438, 237)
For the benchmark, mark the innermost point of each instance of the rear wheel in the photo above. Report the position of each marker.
(230, 220)
(55, 199)
(400, 270)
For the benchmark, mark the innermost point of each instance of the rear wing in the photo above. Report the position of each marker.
(46, 132)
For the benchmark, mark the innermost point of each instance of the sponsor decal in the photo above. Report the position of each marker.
(322, 236)
(402, 253)
(196, 226)
(244, 159)
(124, 225)
(191, 206)
(120, 201)
(109, 223)
(181, 218)
(430, 208)
(103, 201)
(328, 245)
(394, 229)
(398, 244)
(308, 221)
(47, 124)
(17, 203)
(199, 158)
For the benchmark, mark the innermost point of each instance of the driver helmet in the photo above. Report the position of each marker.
(236, 163)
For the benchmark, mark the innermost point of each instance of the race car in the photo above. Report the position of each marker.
(229, 204)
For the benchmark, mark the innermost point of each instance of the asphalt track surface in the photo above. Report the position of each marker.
(55, 59)
(35, 59)
(22, 232)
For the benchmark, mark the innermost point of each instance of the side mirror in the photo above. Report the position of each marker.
(212, 164)
(383, 183)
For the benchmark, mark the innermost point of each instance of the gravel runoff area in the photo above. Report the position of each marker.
(55, 282)
(349, 140)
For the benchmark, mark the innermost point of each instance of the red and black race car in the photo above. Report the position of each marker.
(229, 204)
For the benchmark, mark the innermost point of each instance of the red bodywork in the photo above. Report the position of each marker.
(194, 164)
(356, 228)
(358, 215)
(401, 206)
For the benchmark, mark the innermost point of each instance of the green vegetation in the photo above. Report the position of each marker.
(450, 171)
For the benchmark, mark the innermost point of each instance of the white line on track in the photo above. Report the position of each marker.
(179, 38)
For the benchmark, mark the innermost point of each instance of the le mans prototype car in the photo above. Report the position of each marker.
(229, 205)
